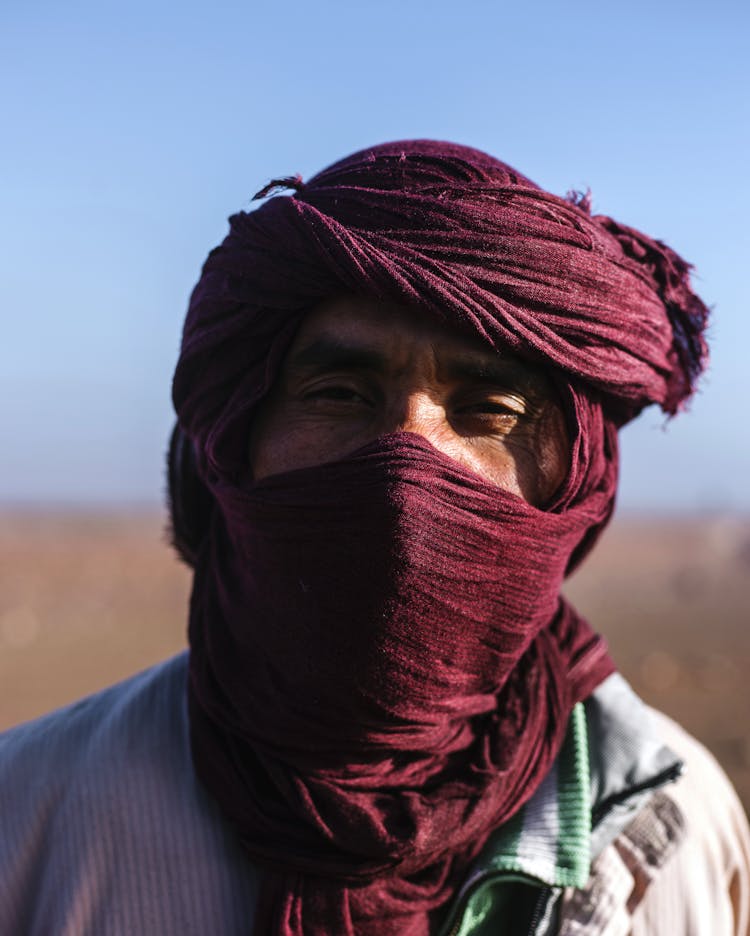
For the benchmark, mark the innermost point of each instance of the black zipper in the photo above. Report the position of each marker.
(539, 908)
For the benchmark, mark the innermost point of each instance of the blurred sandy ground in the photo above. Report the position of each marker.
(87, 599)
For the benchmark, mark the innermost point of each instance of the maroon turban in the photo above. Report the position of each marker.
(382, 667)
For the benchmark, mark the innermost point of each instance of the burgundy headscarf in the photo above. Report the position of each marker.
(382, 667)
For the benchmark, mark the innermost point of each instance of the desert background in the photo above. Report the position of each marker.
(88, 597)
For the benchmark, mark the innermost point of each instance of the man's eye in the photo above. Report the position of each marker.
(501, 408)
(510, 407)
(336, 393)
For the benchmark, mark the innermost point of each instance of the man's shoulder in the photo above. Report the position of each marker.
(674, 856)
(126, 720)
(103, 825)
(94, 758)
(681, 861)
(698, 759)
(704, 886)
(714, 816)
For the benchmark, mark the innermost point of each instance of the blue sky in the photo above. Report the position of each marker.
(132, 131)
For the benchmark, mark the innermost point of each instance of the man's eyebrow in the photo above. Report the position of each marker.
(486, 369)
(471, 368)
(332, 354)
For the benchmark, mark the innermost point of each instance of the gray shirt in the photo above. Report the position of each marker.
(104, 828)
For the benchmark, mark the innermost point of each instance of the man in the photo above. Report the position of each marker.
(398, 399)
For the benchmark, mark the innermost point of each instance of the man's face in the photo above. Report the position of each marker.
(359, 368)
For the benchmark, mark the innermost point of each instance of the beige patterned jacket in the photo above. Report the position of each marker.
(680, 868)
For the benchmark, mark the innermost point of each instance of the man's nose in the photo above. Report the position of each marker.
(418, 412)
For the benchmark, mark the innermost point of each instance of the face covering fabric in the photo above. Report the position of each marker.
(382, 667)
(392, 676)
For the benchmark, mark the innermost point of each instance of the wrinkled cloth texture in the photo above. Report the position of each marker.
(382, 667)
(400, 671)
(455, 231)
